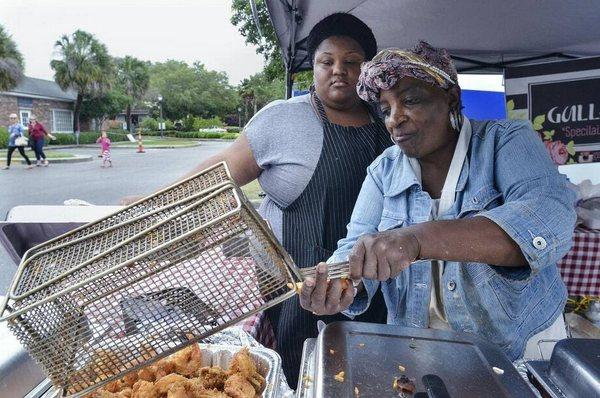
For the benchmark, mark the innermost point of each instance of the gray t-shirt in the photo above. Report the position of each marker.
(286, 139)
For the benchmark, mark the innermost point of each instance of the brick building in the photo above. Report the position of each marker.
(52, 106)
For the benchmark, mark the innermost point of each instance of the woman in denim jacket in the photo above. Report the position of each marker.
(461, 222)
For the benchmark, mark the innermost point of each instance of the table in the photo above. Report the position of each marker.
(580, 267)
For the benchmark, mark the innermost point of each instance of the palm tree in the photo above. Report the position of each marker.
(133, 77)
(83, 65)
(11, 62)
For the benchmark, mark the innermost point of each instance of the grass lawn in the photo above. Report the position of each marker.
(31, 155)
(251, 190)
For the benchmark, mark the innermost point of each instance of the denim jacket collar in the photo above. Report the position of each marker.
(404, 177)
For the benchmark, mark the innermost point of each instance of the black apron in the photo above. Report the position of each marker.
(317, 219)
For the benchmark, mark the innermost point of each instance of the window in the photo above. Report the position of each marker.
(62, 121)
(24, 115)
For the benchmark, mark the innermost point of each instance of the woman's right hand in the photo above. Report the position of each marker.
(127, 200)
(324, 297)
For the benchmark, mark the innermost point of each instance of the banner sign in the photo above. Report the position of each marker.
(562, 101)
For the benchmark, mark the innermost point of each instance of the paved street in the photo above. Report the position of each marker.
(131, 174)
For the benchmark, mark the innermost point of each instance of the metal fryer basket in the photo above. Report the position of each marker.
(199, 184)
(203, 266)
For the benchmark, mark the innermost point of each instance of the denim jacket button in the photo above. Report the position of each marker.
(539, 243)
(451, 285)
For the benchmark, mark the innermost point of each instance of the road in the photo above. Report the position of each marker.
(131, 174)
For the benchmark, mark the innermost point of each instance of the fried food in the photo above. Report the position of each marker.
(187, 361)
(237, 386)
(243, 364)
(178, 390)
(181, 376)
(164, 384)
(213, 377)
(144, 389)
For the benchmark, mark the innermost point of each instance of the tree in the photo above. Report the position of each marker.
(83, 65)
(257, 91)
(102, 106)
(134, 79)
(11, 62)
(267, 43)
(191, 90)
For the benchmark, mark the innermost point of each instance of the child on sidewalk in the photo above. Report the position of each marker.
(104, 141)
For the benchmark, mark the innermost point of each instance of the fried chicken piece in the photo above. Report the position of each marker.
(163, 384)
(129, 379)
(126, 393)
(178, 390)
(237, 386)
(213, 377)
(187, 361)
(243, 364)
(144, 389)
(113, 386)
(211, 394)
(156, 371)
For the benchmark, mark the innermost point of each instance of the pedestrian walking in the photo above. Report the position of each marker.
(37, 135)
(16, 141)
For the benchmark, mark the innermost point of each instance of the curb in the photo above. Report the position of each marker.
(74, 159)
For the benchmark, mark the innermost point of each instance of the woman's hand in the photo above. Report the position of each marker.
(127, 200)
(324, 297)
(383, 255)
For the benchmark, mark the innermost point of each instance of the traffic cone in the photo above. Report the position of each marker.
(140, 145)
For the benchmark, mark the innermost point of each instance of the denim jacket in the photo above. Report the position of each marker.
(507, 177)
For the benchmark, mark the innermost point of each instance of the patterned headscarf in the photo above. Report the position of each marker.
(424, 62)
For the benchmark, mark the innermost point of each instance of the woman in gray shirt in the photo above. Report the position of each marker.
(310, 155)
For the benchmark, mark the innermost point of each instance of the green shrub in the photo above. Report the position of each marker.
(85, 138)
(149, 124)
(230, 136)
(169, 125)
(207, 123)
(3, 137)
(233, 129)
(188, 123)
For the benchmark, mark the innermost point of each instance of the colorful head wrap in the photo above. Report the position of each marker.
(424, 62)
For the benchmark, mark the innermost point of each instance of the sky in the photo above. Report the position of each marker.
(152, 30)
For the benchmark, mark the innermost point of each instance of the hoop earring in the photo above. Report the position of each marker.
(455, 120)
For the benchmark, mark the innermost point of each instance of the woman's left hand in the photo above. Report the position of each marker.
(383, 255)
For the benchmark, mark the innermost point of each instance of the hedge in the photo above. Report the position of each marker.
(84, 138)
(3, 137)
(199, 134)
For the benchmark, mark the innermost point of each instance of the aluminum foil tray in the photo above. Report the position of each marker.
(267, 362)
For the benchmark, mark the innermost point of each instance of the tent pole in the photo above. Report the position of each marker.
(294, 20)
(289, 83)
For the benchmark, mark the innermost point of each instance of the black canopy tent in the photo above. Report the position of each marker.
(482, 36)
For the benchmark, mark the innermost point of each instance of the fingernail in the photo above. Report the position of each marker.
(309, 282)
(321, 268)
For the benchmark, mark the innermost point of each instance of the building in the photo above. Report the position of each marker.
(52, 106)
(137, 116)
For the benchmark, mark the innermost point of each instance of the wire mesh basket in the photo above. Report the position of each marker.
(119, 295)
(194, 186)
